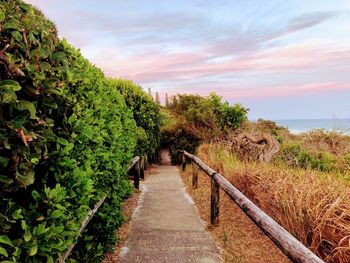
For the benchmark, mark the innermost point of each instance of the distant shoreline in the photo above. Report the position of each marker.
(297, 126)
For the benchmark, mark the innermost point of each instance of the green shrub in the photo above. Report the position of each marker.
(146, 114)
(66, 138)
(199, 119)
(294, 156)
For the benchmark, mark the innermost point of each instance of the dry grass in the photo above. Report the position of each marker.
(325, 141)
(241, 240)
(313, 206)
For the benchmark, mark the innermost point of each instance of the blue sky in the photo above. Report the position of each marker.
(281, 59)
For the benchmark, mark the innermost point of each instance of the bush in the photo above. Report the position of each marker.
(146, 113)
(199, 119)
(66, 138)
(293, 155)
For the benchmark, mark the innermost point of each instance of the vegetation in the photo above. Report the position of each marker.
(66, 138)
(327, 151)
(67, 135)
(146, 113)
(199, 119)
(313, 206)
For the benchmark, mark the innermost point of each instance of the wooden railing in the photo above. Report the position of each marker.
(136, 168)
(288, 244)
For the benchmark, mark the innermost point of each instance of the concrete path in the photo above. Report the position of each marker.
(166, 226)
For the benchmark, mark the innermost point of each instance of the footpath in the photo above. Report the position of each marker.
(165, 226)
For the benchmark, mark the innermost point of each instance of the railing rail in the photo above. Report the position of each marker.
(138, 172)
(288, 244)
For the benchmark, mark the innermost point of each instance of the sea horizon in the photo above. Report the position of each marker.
(305, 125)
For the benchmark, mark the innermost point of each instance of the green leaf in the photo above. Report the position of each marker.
(45, 66)
(17, 36)
(5, 240)
(72, 118)
(26, 179)
(10, 85)
(17, 214)
(7, 145)
(27, 105)
(2, 16)
(8, 97)
(36, 195)
(44, 51)
(4, 161)
(40, 229)
(49, 102)
(56, 214)
(33, 249)
(27, 236)
(3, 252)
(31, 37)
(4, 179)
(58, 56)
(17, 252)
(62, 141)
(24, 225)
(34, 160)
(25, 7)
(49, 259)
(58, 229)
(87, 132)
(12, 24)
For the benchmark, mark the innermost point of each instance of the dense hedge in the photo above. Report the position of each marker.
(146, 114)
(66, 137)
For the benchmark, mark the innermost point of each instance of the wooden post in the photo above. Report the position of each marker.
(214, 202)
(137, 175)
(142, 169)
(195, 170)
(183, 164)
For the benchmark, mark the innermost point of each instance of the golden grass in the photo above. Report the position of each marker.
(241, 240)
(313, 206)
(325, 141)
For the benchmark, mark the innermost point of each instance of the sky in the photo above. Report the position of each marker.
(282, 59)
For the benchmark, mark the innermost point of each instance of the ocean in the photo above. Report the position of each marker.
(298, 126)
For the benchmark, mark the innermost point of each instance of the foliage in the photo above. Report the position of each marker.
(176, 138)
(66, 137)
(208, 116)
(146, 114)
(293, 155)
(200, 119)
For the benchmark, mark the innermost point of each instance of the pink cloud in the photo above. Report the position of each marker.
(157, 66)
(238, 93)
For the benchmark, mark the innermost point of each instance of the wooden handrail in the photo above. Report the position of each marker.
(288, 244)
(134, 162)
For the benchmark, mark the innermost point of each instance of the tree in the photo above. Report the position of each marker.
(150, 93)
(157, 98)
(166, 100)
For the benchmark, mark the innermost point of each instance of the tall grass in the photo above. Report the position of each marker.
(313, 206)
